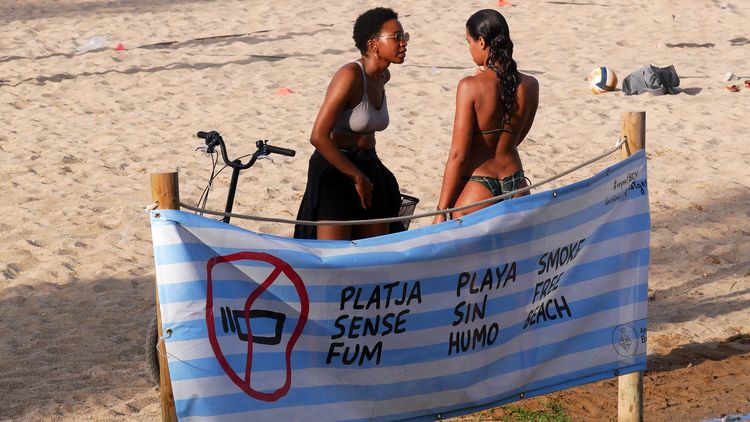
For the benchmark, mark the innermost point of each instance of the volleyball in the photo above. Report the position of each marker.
(602, 79)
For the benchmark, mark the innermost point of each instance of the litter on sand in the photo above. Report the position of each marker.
(284, 91)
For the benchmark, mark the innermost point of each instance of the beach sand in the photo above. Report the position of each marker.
(80, 134)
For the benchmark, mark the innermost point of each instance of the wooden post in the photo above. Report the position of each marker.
(165, 190)
(630, 386)
(630, 397)
(634, 128)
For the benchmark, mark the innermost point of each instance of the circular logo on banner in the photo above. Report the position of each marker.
(235, 320)
(625, 340)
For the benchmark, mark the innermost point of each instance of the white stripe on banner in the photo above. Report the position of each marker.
(524, 297)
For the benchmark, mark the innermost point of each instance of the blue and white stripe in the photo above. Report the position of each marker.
(605, 287)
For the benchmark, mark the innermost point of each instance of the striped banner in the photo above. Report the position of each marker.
(525, 297)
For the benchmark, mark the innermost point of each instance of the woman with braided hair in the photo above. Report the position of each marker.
(494, 111)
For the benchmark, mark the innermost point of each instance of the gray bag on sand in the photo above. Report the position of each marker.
(653, 80)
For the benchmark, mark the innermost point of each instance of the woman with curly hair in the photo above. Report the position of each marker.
(494, 111)
(346, 180)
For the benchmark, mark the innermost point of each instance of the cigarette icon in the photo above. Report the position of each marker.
(234, 320)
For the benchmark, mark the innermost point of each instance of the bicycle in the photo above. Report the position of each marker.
(212, 140)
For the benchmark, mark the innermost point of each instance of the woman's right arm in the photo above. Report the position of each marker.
(336, 99)
(458, 158)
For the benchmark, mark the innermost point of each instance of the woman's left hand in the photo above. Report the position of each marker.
(364, 188)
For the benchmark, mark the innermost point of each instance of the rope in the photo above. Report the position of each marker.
(407, 217)
(162, 339)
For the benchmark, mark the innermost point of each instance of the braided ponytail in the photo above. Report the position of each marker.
(491, 25)
(501, 61)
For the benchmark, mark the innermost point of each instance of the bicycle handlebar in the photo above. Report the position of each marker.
(281, 151)
(214, 139)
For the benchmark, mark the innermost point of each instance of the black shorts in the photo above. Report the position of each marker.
(330, 194)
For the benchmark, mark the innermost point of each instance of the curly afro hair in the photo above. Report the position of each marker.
(368, 25)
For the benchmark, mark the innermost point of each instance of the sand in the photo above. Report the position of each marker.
(80, 134)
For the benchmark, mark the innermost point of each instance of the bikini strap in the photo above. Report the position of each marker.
(491, 131)
(364, 75)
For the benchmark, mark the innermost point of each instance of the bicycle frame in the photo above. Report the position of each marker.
(214, 139)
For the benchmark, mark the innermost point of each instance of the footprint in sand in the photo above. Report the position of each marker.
(11, 271)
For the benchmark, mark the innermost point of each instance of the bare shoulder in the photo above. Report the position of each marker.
(346, 74)
(468, 86)
(528, 86)
(343, 84)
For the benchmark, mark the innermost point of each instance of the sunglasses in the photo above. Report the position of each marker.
(398, 36)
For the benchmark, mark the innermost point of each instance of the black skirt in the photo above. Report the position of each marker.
(330, 194)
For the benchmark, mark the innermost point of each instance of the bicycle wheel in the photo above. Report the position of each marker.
(151, 351)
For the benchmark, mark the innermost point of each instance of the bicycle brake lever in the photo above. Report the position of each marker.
(265, 157)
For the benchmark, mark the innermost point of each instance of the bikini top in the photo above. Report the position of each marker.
(499, 130)
(364, 118)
